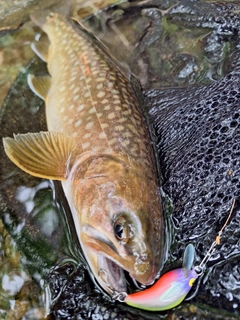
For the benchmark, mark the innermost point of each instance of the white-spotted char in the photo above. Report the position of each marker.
(98, 145)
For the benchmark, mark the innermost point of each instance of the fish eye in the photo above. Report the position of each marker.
(120, 232)
(121, 229)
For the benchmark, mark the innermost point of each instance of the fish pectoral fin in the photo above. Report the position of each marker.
(41, 46)
(39, 85)
(44, 154)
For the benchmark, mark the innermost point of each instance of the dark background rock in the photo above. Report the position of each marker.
(13, 13)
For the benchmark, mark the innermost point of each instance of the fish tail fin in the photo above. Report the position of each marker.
(39, 17)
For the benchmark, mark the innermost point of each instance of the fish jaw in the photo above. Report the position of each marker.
(108, 264)
(112, 204)
(108, 273)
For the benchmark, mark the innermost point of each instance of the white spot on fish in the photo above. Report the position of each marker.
(92, 110)
(74, 134)
(99, 86)
(63, 88)
(101, 94)
(85, 145)
(95, 72)
(112, 78)
(76, 97)
(81, 107)
(77, 123)
(71, 106)
(104, 125)
(110, 85)
(96, 148)
(125, 91)
(101, 79)
(76, 90)
(117, 101)
(84, 48)
(86, 135)
(119, 128)
(62, 110)
(127, 112)
(73, 79)
(112, 141)
(122, 120)
(87, 94)
(111, 116)
(125, 142)
(128, 134)
(89, 125)
(102, 135)
(132, 127)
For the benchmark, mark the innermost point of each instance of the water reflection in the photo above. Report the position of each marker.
(21, 295)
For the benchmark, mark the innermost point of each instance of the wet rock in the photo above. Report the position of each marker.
(14, 12)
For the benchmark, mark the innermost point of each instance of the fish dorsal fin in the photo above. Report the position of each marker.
(40, 47)
(39, 85)
(44, 154)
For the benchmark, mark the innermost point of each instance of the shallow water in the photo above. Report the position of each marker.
(188, 43)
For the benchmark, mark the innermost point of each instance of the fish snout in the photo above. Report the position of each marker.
(144, 271)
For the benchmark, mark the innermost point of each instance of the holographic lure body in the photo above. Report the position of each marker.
(170, 290)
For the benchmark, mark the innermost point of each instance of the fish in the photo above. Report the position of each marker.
(99, 147)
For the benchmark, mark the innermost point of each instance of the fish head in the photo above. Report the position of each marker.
(119, 214)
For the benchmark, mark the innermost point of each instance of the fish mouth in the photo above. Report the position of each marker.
(111, 275)
(102, 258)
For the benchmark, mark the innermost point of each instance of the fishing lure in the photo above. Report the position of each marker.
(171, 289)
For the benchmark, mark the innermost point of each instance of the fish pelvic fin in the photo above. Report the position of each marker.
(39, 85)
(41, 46)
(45, 154)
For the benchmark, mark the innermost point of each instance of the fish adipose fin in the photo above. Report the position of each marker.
(39, 85)
(44, 154)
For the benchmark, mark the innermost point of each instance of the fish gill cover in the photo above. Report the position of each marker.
(197, 138)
